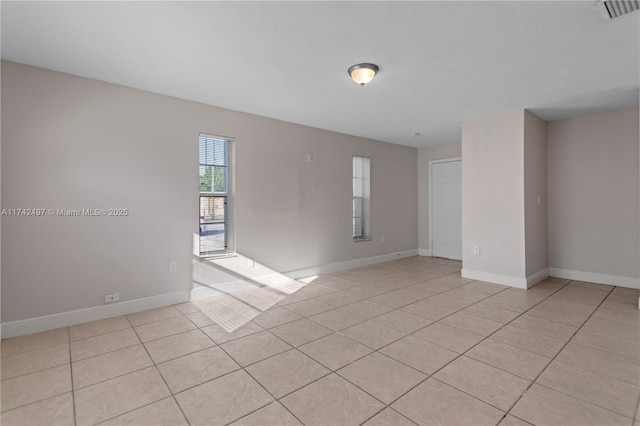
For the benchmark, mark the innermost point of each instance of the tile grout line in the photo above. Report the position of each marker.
(558, 352)
(461, 354)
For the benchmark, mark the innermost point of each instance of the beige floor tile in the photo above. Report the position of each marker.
(382, 377)
(529, 341)
(306, 308)
(372, 334)
(196, 368)
(614, 329)
(339, 298)
(402, 321)
(335, 351)
(107, 366)
(366, 309)
(588, 296)
(489, 312)
(272, 414)
(419, 354)
(275, 317)
(199, 319)
(487, 383)
(187, 308)
(164, 412)
(471, 323)
(452, 338)
(171, 347)
(428, 310)
(331, 401)
(601, 362)
(36, 360)
(164, 328)
(389, 417)
(531, 297)
(504, 301)
(300, 332)
(287, 372)
(153, 315)
(606, 392)
(391, 300)
(117, 396)
(560, 311)
(95, 328)
(595, 339)
(34, 387)
(545, 327)
(236, 395)
(220, 335)
(53, 411)
(433, 402)
(510, 420)
(256, 347)
(337, 319)
(45, 339)
(449, 301)
(509, 358)
(544, 406)
(97, 345)
(621, 315)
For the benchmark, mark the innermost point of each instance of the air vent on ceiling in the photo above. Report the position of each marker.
(618, 8)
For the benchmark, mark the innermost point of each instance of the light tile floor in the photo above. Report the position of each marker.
(400, 343)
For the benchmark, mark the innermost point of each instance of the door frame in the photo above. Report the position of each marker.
(431, 163)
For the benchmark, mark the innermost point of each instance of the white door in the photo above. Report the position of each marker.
(446, 209)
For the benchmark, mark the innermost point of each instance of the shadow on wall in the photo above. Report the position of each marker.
(232, 291)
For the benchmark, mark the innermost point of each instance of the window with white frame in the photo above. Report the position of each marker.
(361, 199)
(214, 194)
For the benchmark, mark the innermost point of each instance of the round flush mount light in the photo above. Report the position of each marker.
(363, 73)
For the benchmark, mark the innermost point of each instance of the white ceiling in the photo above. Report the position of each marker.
(441, 62)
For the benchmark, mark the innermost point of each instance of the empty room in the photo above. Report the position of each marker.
(320, 213)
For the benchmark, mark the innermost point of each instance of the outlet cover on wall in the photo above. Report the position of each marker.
(173, 266)
(476, 250)
(110, 298)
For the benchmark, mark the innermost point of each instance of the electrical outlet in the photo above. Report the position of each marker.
(309, 157)
(173, 266)
(476, 250)
(110, 298)
(250, 263)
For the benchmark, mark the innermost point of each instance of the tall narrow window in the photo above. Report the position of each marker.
(361, 199)
(214, 195)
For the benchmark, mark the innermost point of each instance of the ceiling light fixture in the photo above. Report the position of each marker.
(363, 73)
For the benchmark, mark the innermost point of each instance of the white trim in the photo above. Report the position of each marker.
(518, 282)
(430, 207)
(537, 277)
(593, 277)
(424, 252)
(349, 264)
(66, 319)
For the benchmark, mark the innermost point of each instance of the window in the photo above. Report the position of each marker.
(361, 199)
(214, 194)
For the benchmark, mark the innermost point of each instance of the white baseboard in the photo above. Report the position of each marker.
(424, 252)
(518, 282)
(593, 277)
(537, 277)
(349, 264)
(66, 319)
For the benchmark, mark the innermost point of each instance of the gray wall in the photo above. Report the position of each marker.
(493, 194)
(69, 142)
(593, 193)
(535, 194)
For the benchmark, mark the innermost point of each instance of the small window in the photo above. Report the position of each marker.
(361, 199)
(214, 195)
